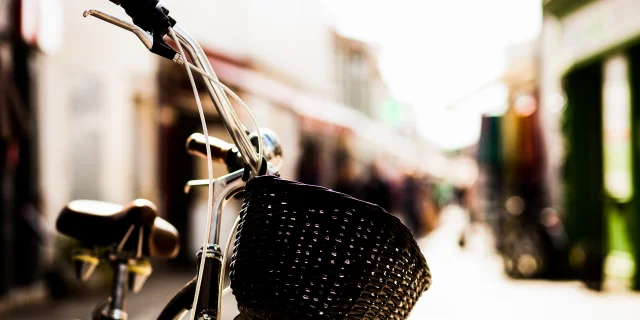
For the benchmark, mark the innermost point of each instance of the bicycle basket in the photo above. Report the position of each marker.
(305, 251)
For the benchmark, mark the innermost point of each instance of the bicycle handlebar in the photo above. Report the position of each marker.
(221, 151)
(227, 153)
(153, 17)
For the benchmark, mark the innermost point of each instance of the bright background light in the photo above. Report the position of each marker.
(436, 52)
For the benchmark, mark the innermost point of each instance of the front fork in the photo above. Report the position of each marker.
(210, 278)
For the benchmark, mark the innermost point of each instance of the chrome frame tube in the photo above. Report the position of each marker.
(220, 100)
(229, 190)
(224, 188)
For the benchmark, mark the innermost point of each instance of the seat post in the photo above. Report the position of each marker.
(118, 303)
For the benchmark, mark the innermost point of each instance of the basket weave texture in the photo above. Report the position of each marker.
(307, 252)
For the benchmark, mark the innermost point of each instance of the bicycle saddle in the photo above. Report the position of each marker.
(98, 223)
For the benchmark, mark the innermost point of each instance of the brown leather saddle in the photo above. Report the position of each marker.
(98, 223)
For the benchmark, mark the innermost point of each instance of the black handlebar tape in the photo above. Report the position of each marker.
(145, 14)
(154, 19)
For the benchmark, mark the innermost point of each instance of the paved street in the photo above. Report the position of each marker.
(145, 306)
(467, 284)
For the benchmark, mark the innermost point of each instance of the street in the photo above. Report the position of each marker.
(467, 284)
(470, 284)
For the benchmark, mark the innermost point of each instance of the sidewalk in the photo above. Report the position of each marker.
(467, 284)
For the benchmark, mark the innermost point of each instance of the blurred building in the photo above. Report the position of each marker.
(22, 231)
(590, 84)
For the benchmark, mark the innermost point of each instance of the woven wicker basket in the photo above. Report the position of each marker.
(307, 252)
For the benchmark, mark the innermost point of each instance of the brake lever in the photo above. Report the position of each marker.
(147, 39)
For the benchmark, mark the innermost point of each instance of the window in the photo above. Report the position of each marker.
(355, 75)
(85, 140)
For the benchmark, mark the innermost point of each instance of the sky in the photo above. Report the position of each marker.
(438, 51)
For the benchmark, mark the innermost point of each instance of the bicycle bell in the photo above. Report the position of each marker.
(271, 144)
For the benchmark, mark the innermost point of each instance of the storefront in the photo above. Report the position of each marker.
(592, 54)
(513, 157)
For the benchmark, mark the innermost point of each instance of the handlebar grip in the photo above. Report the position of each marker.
(197, 146)
(221, 151)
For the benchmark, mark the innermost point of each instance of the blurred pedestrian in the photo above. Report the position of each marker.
(345, 180)
(376, 189)
(465, 180)
(309, 164)
(412, 202)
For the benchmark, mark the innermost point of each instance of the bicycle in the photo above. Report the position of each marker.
(300, 251)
